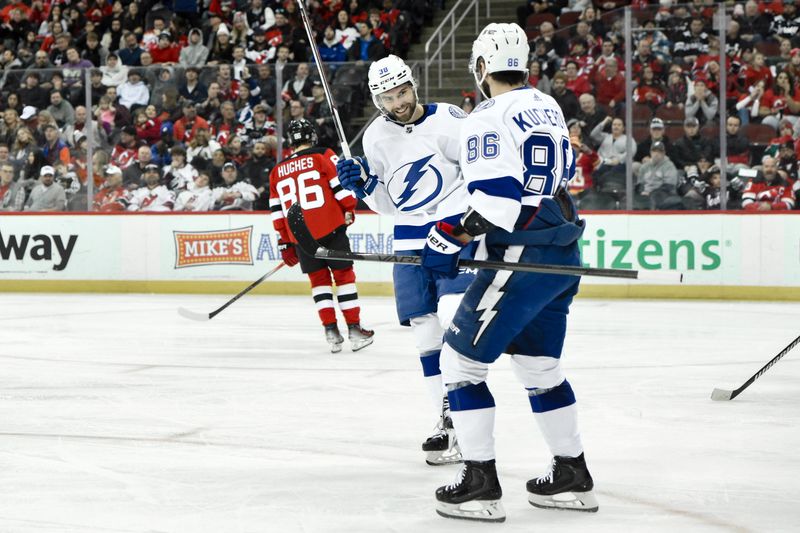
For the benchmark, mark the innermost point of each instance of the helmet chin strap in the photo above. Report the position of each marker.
(479, 82)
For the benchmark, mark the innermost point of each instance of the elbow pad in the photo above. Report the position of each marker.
(473, 224)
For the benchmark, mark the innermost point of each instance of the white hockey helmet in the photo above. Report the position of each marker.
(502, 47)
(386, 74)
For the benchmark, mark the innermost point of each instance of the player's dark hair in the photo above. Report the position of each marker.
(510, 77)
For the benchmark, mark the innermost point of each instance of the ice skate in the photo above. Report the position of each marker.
(334, 338)
(568, 486)
(359, 337)
(442, 448)
(475, 495)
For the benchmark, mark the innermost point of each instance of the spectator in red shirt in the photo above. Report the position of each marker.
(768, 191)
(165, 51)
(576, 82)
(649, 90)
(610, 86)
(186, 128)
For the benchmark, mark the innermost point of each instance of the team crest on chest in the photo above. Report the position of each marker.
(415, 184)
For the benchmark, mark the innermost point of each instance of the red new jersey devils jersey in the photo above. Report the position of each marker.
(309, 177)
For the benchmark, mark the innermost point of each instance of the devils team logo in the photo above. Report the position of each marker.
(213, 248)
(415, 184)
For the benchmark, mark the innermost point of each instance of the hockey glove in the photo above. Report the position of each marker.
(440, 255)
(355, 177)
(288, 253)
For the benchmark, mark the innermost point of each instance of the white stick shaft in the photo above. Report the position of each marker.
(670, 277)
(315, 52)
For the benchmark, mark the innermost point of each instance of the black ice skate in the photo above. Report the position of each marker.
(334, 338)
(568, 486)
(475, 495)
(442, 448)
(359, 337)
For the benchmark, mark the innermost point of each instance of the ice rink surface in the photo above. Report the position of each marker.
(117, 415)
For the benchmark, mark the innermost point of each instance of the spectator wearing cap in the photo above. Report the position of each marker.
(113, 196)
(260, 126)
(793, 66)
(131, 54)
(133, 173)
(701, 103)
(222, 50)
(367, 47)
(185, 129)
(195, 53)
(240, 30)
(114, 72)
(258, 49)
(165, 52)
(192, 89)
(54, 148)
(563, 96)
(656, 135)
(787, 163)
(125, 151)
(692, 146)
(330, 49)
(61, 110)
(12, 193)
(658, 180)
(47, 195)
(32, 93)
(233, 195)
(152, 196)
(133, 93)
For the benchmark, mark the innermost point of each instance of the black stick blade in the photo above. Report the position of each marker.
(297, 223)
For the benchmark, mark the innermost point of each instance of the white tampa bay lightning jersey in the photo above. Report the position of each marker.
(419, 180)
(515, 151)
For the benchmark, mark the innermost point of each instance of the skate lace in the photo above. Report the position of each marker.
(459, 478)
(548, 477)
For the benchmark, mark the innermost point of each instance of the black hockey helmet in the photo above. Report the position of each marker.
(301, 131)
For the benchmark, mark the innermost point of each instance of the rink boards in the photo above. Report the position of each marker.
(732, 255)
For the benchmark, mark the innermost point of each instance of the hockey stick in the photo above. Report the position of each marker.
(310, 246)
(337, 122)
(202, 317)
(725, 395)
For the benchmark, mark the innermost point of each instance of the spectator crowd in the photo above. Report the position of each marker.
(183, 96)
(577, 56)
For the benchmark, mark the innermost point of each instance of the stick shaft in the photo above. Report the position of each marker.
(337, 122)
(766, 367)
(246, 290)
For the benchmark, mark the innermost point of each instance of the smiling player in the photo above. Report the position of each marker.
(411, 171)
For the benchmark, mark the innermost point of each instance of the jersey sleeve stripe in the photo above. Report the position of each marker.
(342, 194)
(277, 215)
(507, 187)
(420, 232)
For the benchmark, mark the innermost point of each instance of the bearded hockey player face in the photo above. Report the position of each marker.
(400, 103)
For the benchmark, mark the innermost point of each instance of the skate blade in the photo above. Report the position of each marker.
(336, 348)
(444, 457)
(359, 344)
(475, 510)
(566, 501)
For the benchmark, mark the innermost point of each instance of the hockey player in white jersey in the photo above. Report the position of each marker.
(411, 171)
(517, 160)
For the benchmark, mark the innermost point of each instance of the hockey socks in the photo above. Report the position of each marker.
(557, 416)
(472, 409)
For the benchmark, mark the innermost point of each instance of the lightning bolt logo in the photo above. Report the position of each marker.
(487, 307)
(416, 171)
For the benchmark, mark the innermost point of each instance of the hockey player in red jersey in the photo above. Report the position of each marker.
(309, 176)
